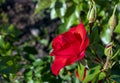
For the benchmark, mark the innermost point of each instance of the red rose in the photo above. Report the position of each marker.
(69, 47)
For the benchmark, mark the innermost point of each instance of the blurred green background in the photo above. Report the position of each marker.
(27, 28)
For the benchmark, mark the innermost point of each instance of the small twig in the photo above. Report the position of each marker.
(106, 64)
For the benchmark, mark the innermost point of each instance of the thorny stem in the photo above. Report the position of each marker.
(106, 64)
(90, 25)
(108, 58)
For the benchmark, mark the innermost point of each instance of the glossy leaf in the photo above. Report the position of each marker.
(41, 5)
(105, 36)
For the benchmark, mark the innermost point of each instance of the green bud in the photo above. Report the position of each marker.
(89, 11)
(108, 50)
(113, 20)
(92, 13)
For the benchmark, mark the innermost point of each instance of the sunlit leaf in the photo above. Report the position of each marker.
(106, 36)
(41, 5)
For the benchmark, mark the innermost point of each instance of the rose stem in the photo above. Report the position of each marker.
(106, 63)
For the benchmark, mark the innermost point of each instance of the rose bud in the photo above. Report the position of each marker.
(113, 20)
(92, 13)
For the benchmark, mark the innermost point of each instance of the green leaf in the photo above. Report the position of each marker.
(8, 65)
(53, 13)
(10, 30)
(44, 42)
(41, 5)
(81, 70)
(116, 78)
(2, 43)
(118, 52)
(77, 1)
(38, 69)
(105, 36)
(28, 72)
(95, 80)
(38, 62)
(91, 74)
(58, 6)
(102, 75)
(73, 66)
(70, 10)
(69, 21)
(58, 9)
(117, 29)
(30, 57)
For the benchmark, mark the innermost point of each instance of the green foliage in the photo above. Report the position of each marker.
(115, 78)
(8, 64)
(41, 5)
(92, 75)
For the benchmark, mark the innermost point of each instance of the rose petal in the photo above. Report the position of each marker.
(65, 44)
(80, 29)
(58, 64)
(84, 44)
(72, 30)
(80, 55)
(71, 49)
(62, 39)
(80, 35)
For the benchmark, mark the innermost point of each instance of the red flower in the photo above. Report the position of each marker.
(69, 47)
